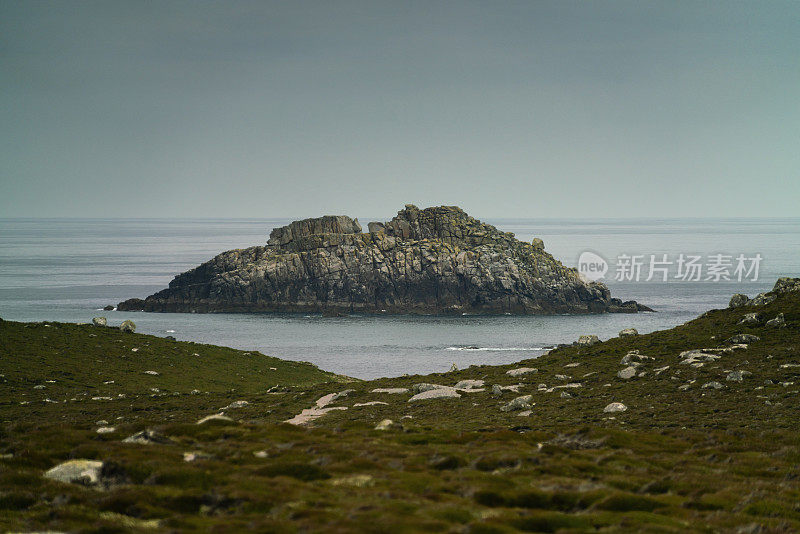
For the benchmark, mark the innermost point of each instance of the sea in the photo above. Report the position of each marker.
(68, 269)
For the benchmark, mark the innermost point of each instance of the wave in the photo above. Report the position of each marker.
(496, 349)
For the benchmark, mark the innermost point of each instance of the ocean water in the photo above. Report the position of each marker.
(66, 269)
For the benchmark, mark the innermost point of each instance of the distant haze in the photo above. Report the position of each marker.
(508, 109)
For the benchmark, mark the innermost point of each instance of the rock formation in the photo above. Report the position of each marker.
(435, 260)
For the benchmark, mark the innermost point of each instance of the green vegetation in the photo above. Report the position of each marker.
(680, 458)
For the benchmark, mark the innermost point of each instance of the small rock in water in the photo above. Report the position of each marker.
(522, 371)
(588, 340)
(778, 321)
(627, 332)
(99, 321)
(615, 407)
(128, 326)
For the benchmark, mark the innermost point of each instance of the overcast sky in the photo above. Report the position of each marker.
(297, 109)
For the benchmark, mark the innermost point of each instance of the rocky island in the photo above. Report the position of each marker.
(435, 260)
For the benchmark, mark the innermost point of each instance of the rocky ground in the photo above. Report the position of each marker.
(689, 429)
(435, 260)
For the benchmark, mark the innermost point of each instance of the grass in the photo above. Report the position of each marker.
(676, 461)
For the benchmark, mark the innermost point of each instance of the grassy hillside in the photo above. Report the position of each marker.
(682, 457)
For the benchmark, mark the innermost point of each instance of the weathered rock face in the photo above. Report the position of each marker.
(435, 260)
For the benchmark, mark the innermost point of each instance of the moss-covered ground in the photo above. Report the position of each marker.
(680, 458)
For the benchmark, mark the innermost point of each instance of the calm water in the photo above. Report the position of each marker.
(65, 269)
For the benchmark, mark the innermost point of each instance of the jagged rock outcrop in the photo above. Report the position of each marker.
(435, 260)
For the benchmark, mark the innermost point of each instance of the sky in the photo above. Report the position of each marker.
(299, 109)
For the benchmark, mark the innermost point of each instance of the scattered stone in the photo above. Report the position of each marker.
(778, 322)
(738, 300)
(627, 373)
(154, 373)
(260, 454)
(370, 403)
(128, 326)
(86, 472)
(615, 407)
(713, 385)
(39, 386)
(627, 332)
(566, 395)
(106, 430)
(751, 318)
(497, 390)
(424, 386)
(737, 376)
(588, 340)
(573, 364)
(684, 387)
(101, 422)
(391, 391)
(453, 368)
(100, 321)
(634, 358)
(193, 456)
(537, 243)
(520, 403)
(214, 417)
(525, 413)
(355, 481)
(469, 384)
(147, 437)
(386, 424)
(522, 371)
(237, 404)
(438, 393)
(762, 299)
(660, 370)
(743, 338)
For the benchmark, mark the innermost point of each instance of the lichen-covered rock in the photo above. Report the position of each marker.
(128, 326)
(588, 340)
(778, 321)
(435, 260)
(520, 403)
(99, 321)
(750, 318)
(628, 332)
(615, 407)
(86, 472)
(738, 300)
